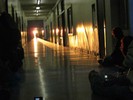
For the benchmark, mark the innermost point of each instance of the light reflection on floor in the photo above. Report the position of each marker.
(56, 73)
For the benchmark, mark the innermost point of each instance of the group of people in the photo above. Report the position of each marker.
(121, 58)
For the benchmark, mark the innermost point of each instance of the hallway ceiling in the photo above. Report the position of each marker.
(29, 8)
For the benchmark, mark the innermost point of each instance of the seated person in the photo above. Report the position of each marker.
(118, 87)
(116, 58)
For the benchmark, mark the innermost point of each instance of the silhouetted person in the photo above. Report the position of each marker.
(119, 86)
(116, 57)
(10, 42)
(10, 55)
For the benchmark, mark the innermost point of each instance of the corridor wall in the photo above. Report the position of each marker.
(83, 23)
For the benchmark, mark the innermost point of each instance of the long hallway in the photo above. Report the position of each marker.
(56, 64)
(55, 73)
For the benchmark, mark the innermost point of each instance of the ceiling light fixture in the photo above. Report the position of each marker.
(38, 2)
(37, 8)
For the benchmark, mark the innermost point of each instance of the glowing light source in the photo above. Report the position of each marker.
(57, 31)
(80, 29)
(42, 31)
(37, 8)
(35, 31)
(38, 2)
(53, 30)
(91, 30)
(35, 48)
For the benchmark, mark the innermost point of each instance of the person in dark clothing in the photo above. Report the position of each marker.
(116, 57)
(116, 84)
(10, 42)
(11, 55)
(125, 43)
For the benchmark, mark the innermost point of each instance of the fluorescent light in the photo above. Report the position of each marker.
(37, 7)
(38, 2)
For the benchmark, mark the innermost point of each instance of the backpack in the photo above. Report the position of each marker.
(108, 85)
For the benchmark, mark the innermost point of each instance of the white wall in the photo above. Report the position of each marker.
(84, 37)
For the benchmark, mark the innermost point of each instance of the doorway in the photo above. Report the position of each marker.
(35, 25)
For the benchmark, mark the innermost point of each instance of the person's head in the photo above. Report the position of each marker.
(117, 32)
(125, 42)
(7, 20)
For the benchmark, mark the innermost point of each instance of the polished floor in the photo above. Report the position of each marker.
(54, 73)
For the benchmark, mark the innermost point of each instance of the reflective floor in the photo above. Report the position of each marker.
(54, 73)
